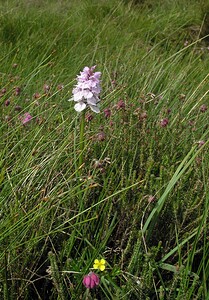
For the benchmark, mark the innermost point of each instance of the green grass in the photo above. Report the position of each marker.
(140, 200)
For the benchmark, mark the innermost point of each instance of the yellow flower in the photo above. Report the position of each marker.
(99, 264)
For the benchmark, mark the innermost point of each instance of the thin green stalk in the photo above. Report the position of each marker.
(82, 125)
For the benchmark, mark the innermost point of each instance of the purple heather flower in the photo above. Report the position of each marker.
(101, 136)
(91, 280)
(37, 95)
(164, 122)
(121, 104)
(111, 123)
(86, 91)
(8, 118)
(7, 102)
(17, 91)
(203, 108)
(26, 118)
(46, 88)
(89, 117)
(60, 87)
(3, 91)
(18, 108)
(201, 143)
(107, 112)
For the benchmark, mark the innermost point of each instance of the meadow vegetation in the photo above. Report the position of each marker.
(140, 199)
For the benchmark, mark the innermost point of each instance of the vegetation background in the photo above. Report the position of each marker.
(141, 198)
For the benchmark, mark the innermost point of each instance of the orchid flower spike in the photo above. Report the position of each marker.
(86, 91)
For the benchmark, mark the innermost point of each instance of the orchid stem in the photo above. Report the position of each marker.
(82, 125)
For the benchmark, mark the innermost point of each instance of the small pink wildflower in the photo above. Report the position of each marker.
(26, 118)
(89, 117)
(107, 112)
(60, 87)
(8, 118)
(46, 88)
(2, 92)
(164, 122)
(91, 280)
(17, 91)
(203, 108)
(121, 104)
(101, 136)
(201, 143)
(37, 95)
(111, 123)
(7, 102)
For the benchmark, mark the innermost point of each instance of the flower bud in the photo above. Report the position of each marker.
(121, 104)
(26, 118)
(7, 102)
(46, 88)
(203, 108)
(91, 280)
(201, 143)
(18, 108)
(101, 136)
(107, 112)
(89, 117)
(17, 91)
(164, 122)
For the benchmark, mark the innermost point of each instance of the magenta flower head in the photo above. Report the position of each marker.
(89, 117)
(7, 102)
(164, 122)
(107, 112)
(91, 280)
(121, 104)
(17, 91)
(26, 118)
(203, 108)
(86, 91)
